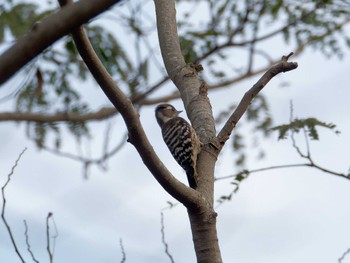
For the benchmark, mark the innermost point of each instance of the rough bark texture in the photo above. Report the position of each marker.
(198, 108)
(203, 221)
(203, 226)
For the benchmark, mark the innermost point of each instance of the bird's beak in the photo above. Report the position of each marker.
(179, 111)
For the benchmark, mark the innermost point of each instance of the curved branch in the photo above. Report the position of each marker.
(189, 197)
(42, 34)
(283, 66)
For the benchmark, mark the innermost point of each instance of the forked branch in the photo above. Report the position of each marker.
(137, 136)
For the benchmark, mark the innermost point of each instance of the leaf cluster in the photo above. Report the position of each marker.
(310, 125)
(224, 29)
(18, 18)
(241, 25)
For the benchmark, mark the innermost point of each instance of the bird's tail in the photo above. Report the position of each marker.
(191, 178)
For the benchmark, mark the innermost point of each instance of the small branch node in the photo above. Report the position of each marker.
(203, 89)
(212, 216)
(285, 58)
(198, 67)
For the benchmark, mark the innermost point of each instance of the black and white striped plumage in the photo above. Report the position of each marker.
(181, 140)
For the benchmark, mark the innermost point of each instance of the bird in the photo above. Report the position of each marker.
(181, 140)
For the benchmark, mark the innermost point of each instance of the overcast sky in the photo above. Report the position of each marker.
(289, 215)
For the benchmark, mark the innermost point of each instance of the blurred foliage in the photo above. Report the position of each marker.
(309, 125)
(258, 120)
(211, 32)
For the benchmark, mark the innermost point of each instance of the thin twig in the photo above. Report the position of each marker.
(48, 237)
(340, 260)
(123, 251)
(27, 242)
(307, 156)
(4, 204)
(264, 169)
(308, 151)
(253, 43)
(54, 237)
(312, 165)
(106, 142)
(294, 143)
(87, 162)
(163, 238)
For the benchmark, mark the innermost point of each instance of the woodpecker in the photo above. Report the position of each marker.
(181, 140)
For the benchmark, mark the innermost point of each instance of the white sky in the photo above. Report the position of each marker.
(290, 215)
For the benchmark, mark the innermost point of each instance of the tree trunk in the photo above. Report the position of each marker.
(203, 225)
(203, 218)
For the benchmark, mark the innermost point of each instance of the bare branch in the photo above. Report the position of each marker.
(137, 136)
(123, 251)
(54, 237)
(309, 164)
(4, 204)
(41, 36)
(340, 260)
(27, 242)
(246, 172)
(163, 238)
(48, 247)
(283, 66)
(308, 156)
(253, 43)
(87, 162)
(99, 115)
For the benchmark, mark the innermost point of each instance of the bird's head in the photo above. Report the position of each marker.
(165, 112)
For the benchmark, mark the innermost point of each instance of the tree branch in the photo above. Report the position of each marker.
(283, 66)
(42, 34)
(88, 162)
(4, 204)
(347, 252)
(48, 237)
(27, 242)
(99, 115)
(184, 76)
(246, 172)
(123, 251)
(162, 231)
(137, 136)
